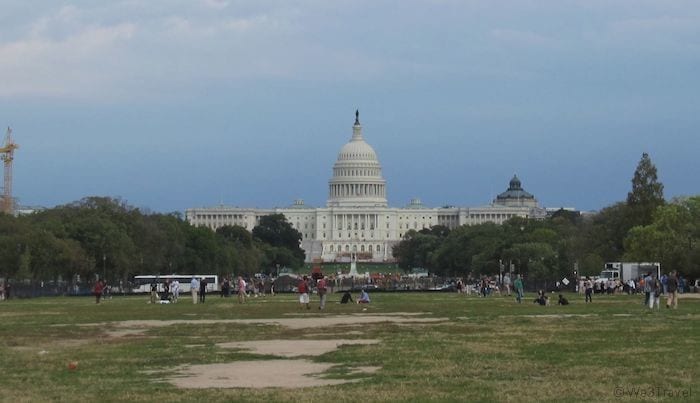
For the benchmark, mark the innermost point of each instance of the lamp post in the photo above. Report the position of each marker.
(104, 266)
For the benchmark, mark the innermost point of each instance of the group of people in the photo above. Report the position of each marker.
(631, 286)
(650, 284)
(654, 287)
(170, 293)
(306, 285)
(244, 289)
(487, 285)
(543, 299)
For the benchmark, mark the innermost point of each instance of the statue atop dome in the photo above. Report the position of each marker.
(357, 117)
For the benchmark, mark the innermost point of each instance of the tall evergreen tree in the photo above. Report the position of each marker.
(647, 192)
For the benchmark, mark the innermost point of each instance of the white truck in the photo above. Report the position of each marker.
(625, 271)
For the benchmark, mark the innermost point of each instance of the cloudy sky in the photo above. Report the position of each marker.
(176, 104)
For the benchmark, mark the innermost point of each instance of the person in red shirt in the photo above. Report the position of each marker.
(97, 290)
(303, 290)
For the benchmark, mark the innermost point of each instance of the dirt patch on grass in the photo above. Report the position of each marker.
(256, 374)
(294, 348)
(271, 373)
(125, 332)
(55, 345)
(348, 333)
(136, 327)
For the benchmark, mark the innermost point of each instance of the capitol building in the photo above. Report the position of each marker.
(357, 223)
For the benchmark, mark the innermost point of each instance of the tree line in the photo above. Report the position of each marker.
(106, 237)
(644, 228)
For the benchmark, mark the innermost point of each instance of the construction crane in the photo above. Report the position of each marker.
(7, 154)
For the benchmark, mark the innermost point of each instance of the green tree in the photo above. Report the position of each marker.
(473, 249)
(647, 192)
(668, 239)
(416, 249)
(277, 232)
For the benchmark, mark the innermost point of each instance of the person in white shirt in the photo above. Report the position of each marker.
(175, 289)
(194, 286)
(241, 290)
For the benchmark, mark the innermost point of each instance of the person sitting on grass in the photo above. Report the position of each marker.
(541, 299)
(364, 297)
(346, 298)
(562, 300)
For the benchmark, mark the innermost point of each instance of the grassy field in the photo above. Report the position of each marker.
(476, 349)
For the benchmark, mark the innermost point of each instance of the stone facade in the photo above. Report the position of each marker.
(357, 221)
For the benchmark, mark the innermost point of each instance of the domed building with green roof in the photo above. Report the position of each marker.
(357, 222)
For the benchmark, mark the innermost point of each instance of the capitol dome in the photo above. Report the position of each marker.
(357, 175)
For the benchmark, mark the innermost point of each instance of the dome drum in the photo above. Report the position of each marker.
(357, 174)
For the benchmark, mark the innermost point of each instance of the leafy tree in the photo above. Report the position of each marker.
(605, 232)
(668, 239)
(471, 249)
(590, 265)
(237, 234)
(417, 249)
(277, 232)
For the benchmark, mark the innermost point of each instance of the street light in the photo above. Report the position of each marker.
(104, 266)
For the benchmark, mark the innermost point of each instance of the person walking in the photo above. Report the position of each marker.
(194, 289)
(506, 283)
(588, 285)
(175, 289)
(166, 291)
(97, 290)
(241, 290)
(202, 289)
(321, 287)
(655, 291)
(648, 283)
(303, 290)
(154, 291)
(672, 288)
(519, 293)
(225, 287)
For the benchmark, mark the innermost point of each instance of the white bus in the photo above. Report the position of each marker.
(143, 283)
